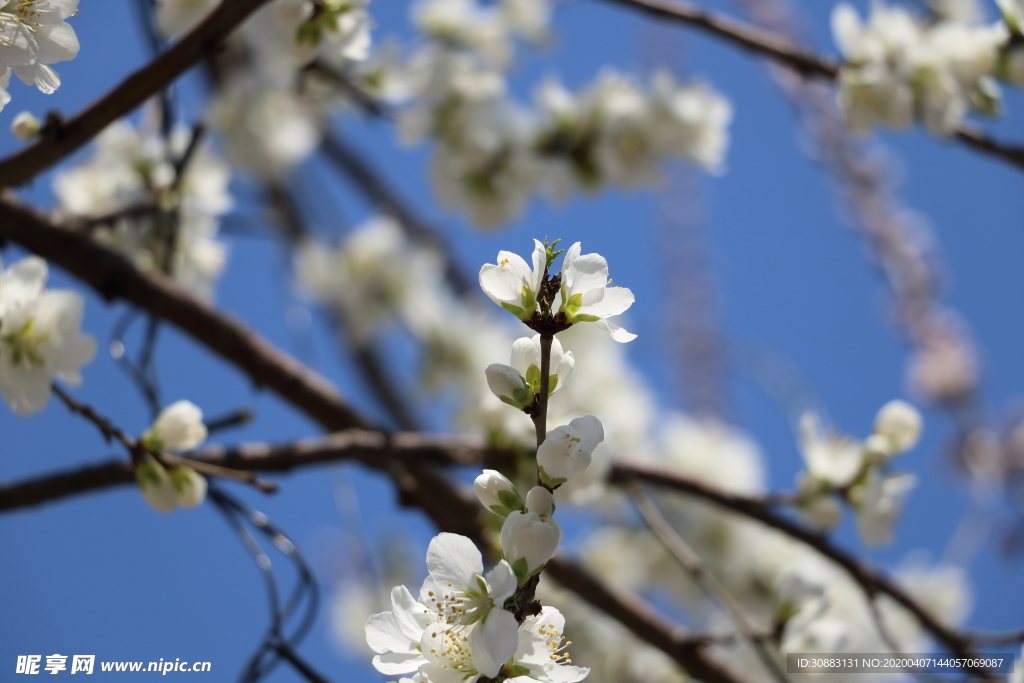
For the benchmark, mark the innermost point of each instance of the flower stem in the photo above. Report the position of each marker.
(540, 412)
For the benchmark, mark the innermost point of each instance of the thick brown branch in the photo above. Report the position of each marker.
(114, 277)
(69, 135)
(371, 448)
(761, 510)
(782, 50)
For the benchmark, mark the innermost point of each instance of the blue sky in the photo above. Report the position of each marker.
(106, 575)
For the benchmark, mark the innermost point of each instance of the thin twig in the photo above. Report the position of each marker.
(870, 580)
(132, 92)
(137, 450)
(784, 51)
(691, 562)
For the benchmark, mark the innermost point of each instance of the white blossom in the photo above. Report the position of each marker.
(540, 501)
(585, 295)
(497, 493)
(33, 35)
(512, 283)
(179, 427)
(899, 68)
(155, 484)
(833, 460)
(135, 167)
(540, 655)
(396, 635)
(879, 504)
(566, 452)
(900, 423)
(25, 126)
(458, 589)
(528, 541)
(516, 384)
(40, 336)
(189, 486)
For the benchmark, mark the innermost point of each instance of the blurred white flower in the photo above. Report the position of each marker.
(879, 503)
(179, 427)
(155, 485)
(175, 17)
(833, 460)
(25, 126)
(40, 336)
(900, 423)
(189, 486)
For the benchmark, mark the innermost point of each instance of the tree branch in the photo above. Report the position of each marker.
(115, 277)
(67, 136)
(780, 49)
(361, 173)
(761, 510)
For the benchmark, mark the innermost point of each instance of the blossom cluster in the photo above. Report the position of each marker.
(842, 469)
(494, 154)
(33, 35)
(40, 336)
(179, 427)
(901, 68)
(146, 200)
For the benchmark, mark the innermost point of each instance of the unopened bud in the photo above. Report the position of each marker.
(155, 485)
(25, 126)
(497, 493)
(540, 501)
(901, 423)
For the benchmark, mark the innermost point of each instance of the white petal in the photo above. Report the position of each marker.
(605, 302)
(501, 284)
(454, 559)
(617, 333)
(587, 272)
(383, 634)
(526, 352)
(540, 257)
(394, 663)
(501, 582)
(493, 641)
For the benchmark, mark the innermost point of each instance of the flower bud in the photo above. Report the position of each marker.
(540, 501)
(901, 423)
(189, 485)
(497, 493)
(528, 542)
(155, 485)
(566, 452)
(178, 427)
(508, 385)
(25, 126)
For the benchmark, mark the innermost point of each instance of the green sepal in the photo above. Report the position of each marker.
(516, 670)
(533, 378)
(511, 500)
(551, 482)
(500, 510)
(552, 383)
(521, 571)
(514, 310)
(584, 318)
(529, 299)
